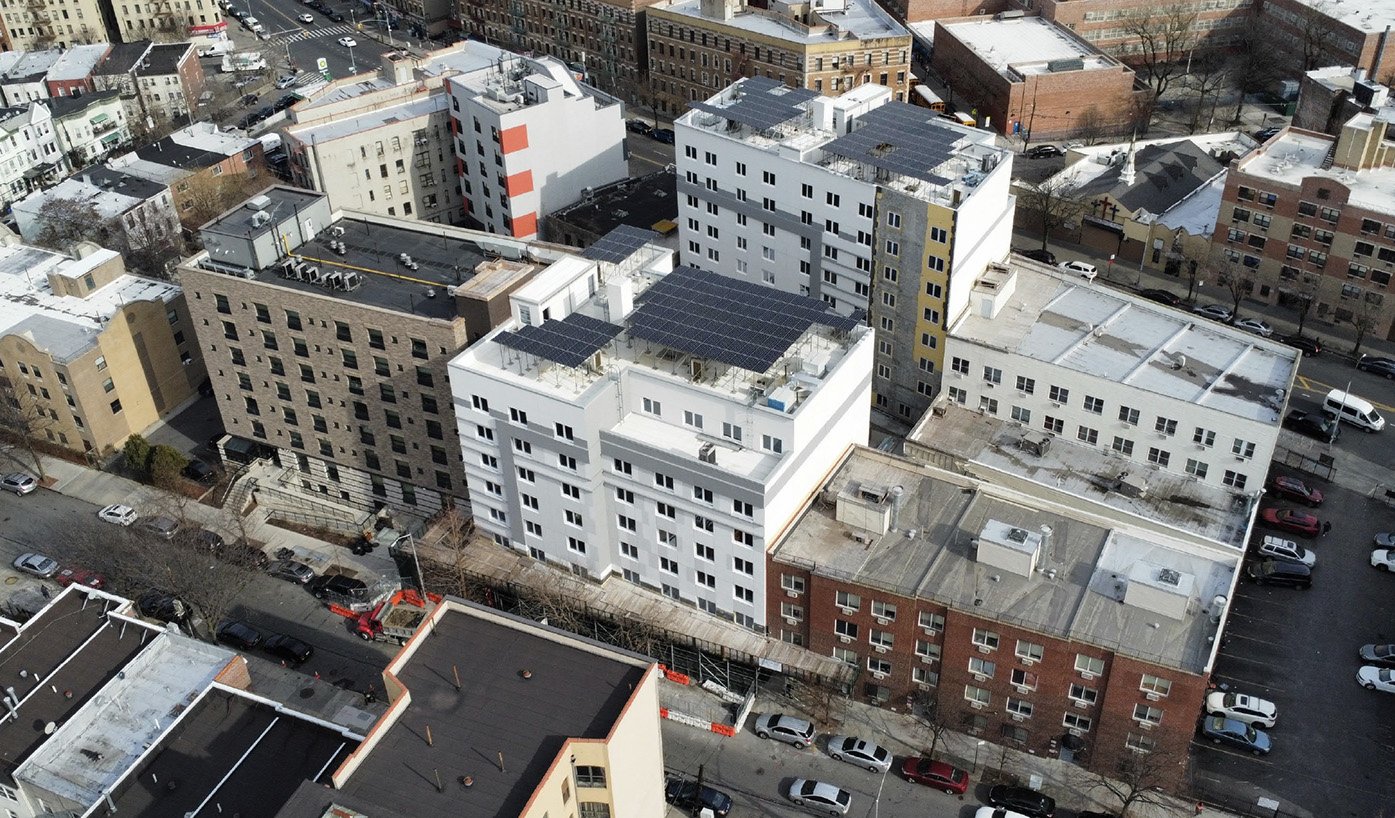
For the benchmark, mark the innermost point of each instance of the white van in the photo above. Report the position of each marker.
(1351, 409)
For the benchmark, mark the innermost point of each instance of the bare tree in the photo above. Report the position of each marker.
(209, 195)
(1301, 299)
(1210, 76)
(1056, 202)
(24, 422)
(1140, 778)
(1252, 66)
(1091, 127)
(1316, 32)
(1365, 318)
(146, 249)
(1157, 40)
(926, 707)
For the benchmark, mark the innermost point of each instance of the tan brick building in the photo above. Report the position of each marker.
(1028, 77)
(90, 353)
(328, 333)
(1068, 629)
(698, 47)
(1310, 215)
(1104, 23)
(603, 37)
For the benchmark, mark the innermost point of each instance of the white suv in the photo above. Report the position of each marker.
(1247, 709)
(1080, 268)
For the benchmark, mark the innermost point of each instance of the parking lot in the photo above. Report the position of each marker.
(1298, 648)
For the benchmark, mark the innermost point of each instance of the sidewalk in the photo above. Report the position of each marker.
(103, 488)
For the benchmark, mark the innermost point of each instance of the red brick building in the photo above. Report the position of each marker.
(1027, 76)
(1059, 629)
(1310, 215)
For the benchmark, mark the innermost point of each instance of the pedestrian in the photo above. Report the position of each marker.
(1326, 527)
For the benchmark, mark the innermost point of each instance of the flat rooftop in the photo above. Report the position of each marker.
(989, 446)
(573, 692)
(70, 646)
(63, 325)
(232, 755)
(1026, 45)
(368, 118)
(1122, 337)
(1296, 155)
(862, 19)
(464, 57)
(1368, 16)
(1083, 574)
(900, 146)
(643, 202)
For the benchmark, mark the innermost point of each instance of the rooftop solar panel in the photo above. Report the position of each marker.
(728, 320)
(568, 342)
(761, 103)
(901, 139)
(619, 244)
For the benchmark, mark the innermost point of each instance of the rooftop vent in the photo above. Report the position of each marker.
(1009, 547)
(1159, 590)
(261, 202)
(865, 506)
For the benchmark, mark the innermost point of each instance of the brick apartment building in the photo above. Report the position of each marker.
(1026, 76)
(1310, 215)
(158, 82)
(604, 40)
(698, 47)
(1355, 34)
(1070, 629)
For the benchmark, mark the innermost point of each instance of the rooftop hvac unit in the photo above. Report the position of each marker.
(404, 259)
(707, 453)
(261, 218)
(312, 275)
(336, 231)
(352, 280)
(332, 279)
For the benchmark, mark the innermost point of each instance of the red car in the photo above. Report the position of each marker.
(81, 576)
(1291, 488)
(1294, 522)
(936, 774)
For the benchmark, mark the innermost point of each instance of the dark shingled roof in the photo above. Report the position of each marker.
(123, 57)
(164, 58)
(1164, 176)
(67, 106)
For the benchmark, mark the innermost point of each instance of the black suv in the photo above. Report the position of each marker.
(685, 795)
(1023, 800)
(162, 606)
(1038, 254)
(1313, 424)
(1162, 297)
(1280, 572)
(336, 585)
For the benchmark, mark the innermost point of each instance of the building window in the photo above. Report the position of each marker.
(1204, 437)
(1123, 446)
(1094, 405)
(1059, 394)
(1196, 469)
(792, 584)
(590, 776)
(1147, 714)
(1088, 665)
(981, 667)
(1027, 385)
(985, 639)
(1128, 415)
(1155, 685)
(1140, 744)
(1030, 651)
(1082, 694)
(1024, 678)
(977, 696)
(931, 622)
(1020, 707)
(849, 602)
(1159, 457)
(1073, 722)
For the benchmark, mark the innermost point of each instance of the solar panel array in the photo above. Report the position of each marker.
(619, 244)
(568, 342)
(726, 319)
(763, 103)
(901, 139)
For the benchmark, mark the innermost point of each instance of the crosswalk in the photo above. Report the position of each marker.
(336, 31)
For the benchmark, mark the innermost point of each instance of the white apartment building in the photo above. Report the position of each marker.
(666, 441)
(1158, 388)
(29, 151)
(531, 139)
(394, 140)
(90, 126)
(860, 201)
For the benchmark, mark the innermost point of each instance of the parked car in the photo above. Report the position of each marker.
(243, 554)
(1038, 254)
(335, 16)
(945, 777)
(118, 514)
(664, 135)
(861, 752)
(1215, 312)
(1379, 655)
(19, 483)
(1023, 800)
(1256, 326)
(1383, 559)
(206, 540)
(1281, 549)
(1376, 678)
(1250, 710)
(308, 19)
(1291, 520)
(162, 606)
(685, 794)
(1310, 346)
(336, 585)
(1280, 572)
(291, 571)
(637, 126)
(285, 82)
(285, 102)
(1313, 424)
(1221, 730)
(199, 471)
(1162, 297)
(1044, 151)
(1083, 269)
(73, 575)
(288, 649)
(820, 796)
(997, 812)
(1266, 134)
(784, 728)
(36, 564)
(163, 527)
(348, 42)
(238, 634)
(1291, 488)
(1384, 367)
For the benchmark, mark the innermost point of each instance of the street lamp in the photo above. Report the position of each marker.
(353, 67)
(977, 747)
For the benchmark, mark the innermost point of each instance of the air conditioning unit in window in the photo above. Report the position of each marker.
(1027, 662)
(1146, 725)
(1085, 674)
(1022, 689)
(1075, 731)
(1017, 716)
(984, 649)
(927, 660)
(792, 594)
(976, 705)
(789, 620)
(847, 610)
(1152, 697)
(923, 686)
(879, 676)
(881, 621)
(847, 640)
(880, 648)
(979, 677)
(1079, 703)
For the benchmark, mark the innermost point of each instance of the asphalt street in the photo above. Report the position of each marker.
(40, 521)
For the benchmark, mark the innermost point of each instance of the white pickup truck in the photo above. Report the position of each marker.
(244, 61)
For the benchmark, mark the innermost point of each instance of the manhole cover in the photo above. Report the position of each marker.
(307, 692)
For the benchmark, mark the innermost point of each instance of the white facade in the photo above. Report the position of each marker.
(668, 469)
(92, 131)
(28, 144)
(1158, 388)
(532, 139)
